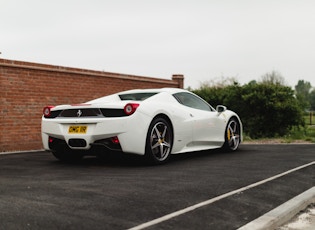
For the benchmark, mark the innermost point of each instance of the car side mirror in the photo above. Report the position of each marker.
(220, 108)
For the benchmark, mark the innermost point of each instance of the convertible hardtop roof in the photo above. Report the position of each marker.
(125, 95)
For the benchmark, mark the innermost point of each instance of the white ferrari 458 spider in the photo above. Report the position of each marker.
(151, 122)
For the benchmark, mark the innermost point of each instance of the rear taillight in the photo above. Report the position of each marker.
(115, 140)
(50, 140)
(130, 108)
(47, 111)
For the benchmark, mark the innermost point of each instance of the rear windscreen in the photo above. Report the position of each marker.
(135, 96)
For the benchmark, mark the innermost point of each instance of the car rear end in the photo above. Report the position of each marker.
(84, 126)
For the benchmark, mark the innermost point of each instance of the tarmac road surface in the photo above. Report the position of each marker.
(39, 192)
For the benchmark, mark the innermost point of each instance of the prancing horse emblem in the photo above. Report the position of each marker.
(79, 113)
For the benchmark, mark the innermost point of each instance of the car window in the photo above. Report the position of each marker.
(135, 96)
(192, 101)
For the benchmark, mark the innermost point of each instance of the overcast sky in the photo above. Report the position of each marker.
(201, 39)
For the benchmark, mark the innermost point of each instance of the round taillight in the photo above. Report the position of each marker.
(47, 111)
(115, 140)
(130, 108)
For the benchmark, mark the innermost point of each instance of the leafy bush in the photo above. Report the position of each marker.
(266, 109)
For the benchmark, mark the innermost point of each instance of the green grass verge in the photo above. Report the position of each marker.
(303, 134)
(297, 134)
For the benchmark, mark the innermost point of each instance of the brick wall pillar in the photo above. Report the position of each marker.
(179, 78)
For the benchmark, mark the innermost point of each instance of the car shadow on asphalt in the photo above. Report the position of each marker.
(130, 160)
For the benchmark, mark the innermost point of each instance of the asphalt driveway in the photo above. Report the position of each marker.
(39, 192)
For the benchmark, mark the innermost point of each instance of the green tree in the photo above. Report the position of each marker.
(267, 109)
(302, 92)
(312, 100)
(270, 110)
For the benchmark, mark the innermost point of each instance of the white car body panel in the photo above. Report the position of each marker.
(193, 129)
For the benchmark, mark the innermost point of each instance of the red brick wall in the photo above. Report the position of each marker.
(27, 87)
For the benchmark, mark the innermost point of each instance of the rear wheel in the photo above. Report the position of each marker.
(159, 141)
(232, 135)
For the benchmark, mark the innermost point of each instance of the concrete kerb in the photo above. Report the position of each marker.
(283, 213)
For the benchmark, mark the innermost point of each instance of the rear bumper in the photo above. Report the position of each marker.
(131, 132)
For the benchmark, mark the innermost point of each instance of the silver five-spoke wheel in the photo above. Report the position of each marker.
(159, 141)
(232, 135)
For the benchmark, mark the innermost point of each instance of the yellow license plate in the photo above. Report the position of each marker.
(77, 129)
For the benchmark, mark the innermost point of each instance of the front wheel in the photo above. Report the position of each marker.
(232, 135)
(159, 141)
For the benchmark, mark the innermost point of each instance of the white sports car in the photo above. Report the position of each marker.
(151, 122)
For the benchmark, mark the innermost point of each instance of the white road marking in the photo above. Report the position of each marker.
(212, 200)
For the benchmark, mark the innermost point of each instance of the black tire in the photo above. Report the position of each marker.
(232, 135)
(159, 141)
(67, 155)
